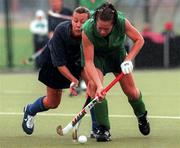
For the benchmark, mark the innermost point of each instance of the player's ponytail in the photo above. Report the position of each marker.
(106, 12)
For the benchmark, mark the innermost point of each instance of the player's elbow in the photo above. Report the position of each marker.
(140, 41)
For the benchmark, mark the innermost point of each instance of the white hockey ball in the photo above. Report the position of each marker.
(82, 139)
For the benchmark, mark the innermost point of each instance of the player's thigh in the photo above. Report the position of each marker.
(128, 86)
(85, 76)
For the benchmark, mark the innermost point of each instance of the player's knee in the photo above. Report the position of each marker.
(133, 94)
(51, 103)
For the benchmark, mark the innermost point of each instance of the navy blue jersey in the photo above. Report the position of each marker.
(54, 21)
(64, 48)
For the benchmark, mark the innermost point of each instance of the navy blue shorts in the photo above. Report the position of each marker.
(51, 77)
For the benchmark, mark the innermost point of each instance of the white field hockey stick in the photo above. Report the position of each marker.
(76, 127)
(62, 131)
(57, 15)
(33, 57)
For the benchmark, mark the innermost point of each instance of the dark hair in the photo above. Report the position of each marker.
(81, 10)
(106, 12)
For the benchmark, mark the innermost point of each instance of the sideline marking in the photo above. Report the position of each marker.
(72, 115)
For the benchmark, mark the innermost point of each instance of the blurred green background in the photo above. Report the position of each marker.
(22, 46)
(141, 13)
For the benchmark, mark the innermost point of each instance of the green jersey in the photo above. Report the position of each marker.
(109, 52)
(116, 37)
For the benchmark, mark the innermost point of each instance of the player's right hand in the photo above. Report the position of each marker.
(73, 88)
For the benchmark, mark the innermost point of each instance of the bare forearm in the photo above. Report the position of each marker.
(135, 50)
(93, 74)
(66, 73)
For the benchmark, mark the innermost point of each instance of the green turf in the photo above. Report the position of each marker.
(161, 91)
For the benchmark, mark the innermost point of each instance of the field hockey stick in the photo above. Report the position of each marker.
(62, 131)
(75, 131)
(57, 15)
(33, 57)
(76, 127)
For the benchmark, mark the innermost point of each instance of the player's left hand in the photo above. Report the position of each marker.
(101, 95)
(127, 67)
(73, 88)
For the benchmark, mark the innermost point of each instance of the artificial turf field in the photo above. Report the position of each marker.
(161, 91)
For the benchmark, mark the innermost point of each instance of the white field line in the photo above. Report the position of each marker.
(20, 92)
(72, 115)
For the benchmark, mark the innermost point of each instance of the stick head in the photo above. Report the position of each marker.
(74, 135)
(59, 130)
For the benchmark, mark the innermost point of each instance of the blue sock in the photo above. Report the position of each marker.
(93, 118)
(36, 107)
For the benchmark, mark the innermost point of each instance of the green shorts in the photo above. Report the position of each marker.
(109, 62)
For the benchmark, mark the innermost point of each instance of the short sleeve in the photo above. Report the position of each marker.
(57, 48)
